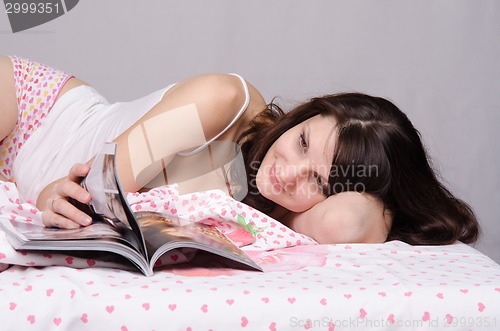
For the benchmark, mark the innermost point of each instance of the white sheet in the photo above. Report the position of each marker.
(390, 286)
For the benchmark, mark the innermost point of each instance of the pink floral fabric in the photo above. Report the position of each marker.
(37, 88)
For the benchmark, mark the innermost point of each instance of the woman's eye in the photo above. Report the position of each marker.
(319, 180)
(302, 141)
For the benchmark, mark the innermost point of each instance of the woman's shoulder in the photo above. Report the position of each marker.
(252, 105)
(220, 99)
(230, 88)
(257, 102)
(245, 98)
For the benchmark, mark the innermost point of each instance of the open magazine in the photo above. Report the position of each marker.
(141, 238)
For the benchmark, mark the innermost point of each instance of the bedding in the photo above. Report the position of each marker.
(304, 286)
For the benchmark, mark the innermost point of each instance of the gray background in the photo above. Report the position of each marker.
(438, 60)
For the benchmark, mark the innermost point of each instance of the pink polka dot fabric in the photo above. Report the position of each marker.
(37, 88)
(304, 286)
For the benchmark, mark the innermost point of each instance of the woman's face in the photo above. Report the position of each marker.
(294, 171)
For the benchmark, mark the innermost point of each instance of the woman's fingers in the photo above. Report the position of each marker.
(77, 171)
(72, 189)
(57, 210)
(51, 219)
(62, 207)
(62, 214)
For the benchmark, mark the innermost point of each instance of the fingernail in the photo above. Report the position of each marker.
(84, 196)
(85, 220)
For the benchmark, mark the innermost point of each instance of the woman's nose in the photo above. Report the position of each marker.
(292, 173)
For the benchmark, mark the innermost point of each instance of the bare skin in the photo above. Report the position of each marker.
(362, 218)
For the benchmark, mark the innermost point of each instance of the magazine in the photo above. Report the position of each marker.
(141, 238)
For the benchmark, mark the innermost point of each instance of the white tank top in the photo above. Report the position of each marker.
(80, 122)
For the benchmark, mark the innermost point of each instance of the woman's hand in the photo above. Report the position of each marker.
(347, 217)
(53, 200)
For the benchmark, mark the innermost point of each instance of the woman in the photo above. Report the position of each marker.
(341, 168)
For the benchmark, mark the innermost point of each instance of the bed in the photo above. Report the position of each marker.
(304, 286)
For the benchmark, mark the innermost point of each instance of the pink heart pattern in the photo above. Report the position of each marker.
(37, 88)
(218, 209)
(309, 280)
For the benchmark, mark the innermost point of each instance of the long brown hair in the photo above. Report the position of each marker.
(378, 152)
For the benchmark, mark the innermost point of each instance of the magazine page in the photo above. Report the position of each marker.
(164, 233)
(102, 186)
(96, 231)
(98, 237)
(108, 199)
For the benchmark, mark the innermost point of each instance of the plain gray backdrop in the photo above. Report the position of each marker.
(437, 60)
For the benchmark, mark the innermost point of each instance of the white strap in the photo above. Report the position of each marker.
(241, 111)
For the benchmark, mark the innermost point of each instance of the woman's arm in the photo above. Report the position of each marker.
(190, 113)
(347, 217)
